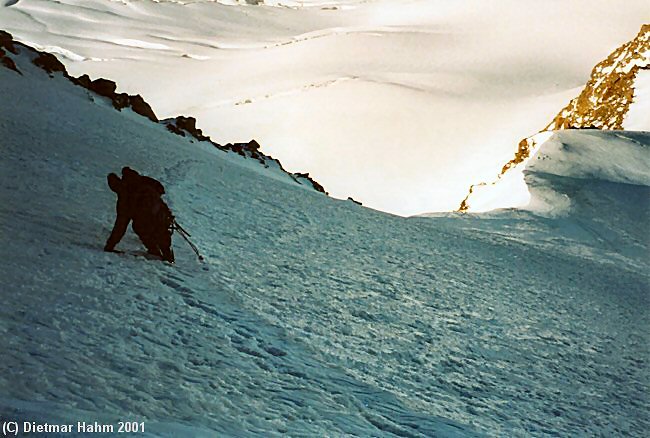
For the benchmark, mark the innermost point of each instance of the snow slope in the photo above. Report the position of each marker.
(312, 316)
(399, 104)
(573, 177)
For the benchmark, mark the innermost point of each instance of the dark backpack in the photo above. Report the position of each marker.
(149, 209)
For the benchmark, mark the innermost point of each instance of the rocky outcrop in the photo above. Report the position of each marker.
(49, 63)
(602, 104)
(311, 181)
(140, 106)
(182, 125)
(8, 62)
(6, 43)
(107, 88)
(605, 100)
(250, 149)
(185, 126)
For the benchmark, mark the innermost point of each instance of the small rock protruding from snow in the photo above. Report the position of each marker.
(310, 180)
(182, 125)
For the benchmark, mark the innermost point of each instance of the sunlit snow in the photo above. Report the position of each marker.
(638, 116)
(399, 104)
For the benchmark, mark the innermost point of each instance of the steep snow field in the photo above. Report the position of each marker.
(311, 316)
(400, 104)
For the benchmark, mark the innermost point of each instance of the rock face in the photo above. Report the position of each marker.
(602, 104)
(605, 100)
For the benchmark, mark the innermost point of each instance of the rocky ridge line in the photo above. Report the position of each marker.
(181, 125)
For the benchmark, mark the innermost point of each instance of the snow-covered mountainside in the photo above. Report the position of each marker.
(311, 316)
(401, 104)
(617, 96)
(180, 125)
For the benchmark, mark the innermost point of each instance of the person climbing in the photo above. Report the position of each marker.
(139, 200)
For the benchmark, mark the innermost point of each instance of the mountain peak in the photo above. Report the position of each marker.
(605, 103)
(605, 100)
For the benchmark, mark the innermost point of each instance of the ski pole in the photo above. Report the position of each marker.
(181, 229)
(184, 235)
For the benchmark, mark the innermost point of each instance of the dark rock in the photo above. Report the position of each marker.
(316, 186)
(83, 81)
(248, 149)
(252, 146)
(8, 62)
(175, 129)
(237, 148)
(49, 63)
(120, 100)
(7, 41)
(187, 123)
(139, 106)
(353, 200)
(181, 124)
(103, 87)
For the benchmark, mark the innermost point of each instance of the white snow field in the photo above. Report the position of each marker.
(400, 104)
(638, 116)
(313, 316)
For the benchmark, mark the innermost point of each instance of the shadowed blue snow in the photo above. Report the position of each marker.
(311, 316)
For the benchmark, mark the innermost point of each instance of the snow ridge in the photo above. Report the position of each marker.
(604, 103)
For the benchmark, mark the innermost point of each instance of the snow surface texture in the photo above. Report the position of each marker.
(311, 316)
(399, 104)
